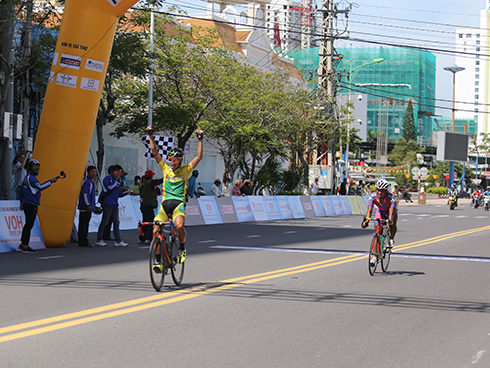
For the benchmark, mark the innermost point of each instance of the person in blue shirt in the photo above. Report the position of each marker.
(110, 206)
(86, 205)
(30, 199)
(192, 187)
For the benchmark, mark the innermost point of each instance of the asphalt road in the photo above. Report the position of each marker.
(275, 294)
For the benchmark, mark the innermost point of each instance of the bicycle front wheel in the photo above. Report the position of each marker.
(373, 254)
(157, 271)
(177, 267)
(385, 261)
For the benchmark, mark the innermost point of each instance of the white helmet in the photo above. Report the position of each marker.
(382, 184)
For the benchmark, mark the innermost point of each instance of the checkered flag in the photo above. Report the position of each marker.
(163, 143)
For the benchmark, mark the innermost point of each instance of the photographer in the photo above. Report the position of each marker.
(30, 199)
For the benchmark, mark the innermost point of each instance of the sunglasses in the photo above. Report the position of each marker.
(173, 159)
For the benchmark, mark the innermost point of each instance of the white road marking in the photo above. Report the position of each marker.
(460, 216)
(290, 232)
(347, 226)
(51, 257)
(254, 236)
(481, 216)
(144, 247)
(442, 216)
(207, 241)
(478, 356)
(405, 220)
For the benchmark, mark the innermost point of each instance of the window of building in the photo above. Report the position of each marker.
(477, 56)
(476, 103)
(477, 76)
(477, 70)
(477, 63)
(477, 49)
(477, 35)
(477, 42)
(468, 35)
(477, 83)
(284, 6)
(477, 90)
(476, 110)
(476, 97)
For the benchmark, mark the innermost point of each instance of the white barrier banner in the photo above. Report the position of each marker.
(209, 209)
(346, 208)
(307, 206)
(318, 208)
(137, 207)
(272, 208)
(12, 220)
(258, 208)
(243, 209)
(284, 207)
(296, 207)
(328, 205)
(193, 215)
(227, 210)
(336, 205)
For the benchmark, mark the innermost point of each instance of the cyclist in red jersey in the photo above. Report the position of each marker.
(386, 204)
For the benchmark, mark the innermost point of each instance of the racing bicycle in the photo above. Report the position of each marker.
(164, 254)
(378, 252)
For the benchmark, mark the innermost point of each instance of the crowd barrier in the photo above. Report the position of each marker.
(206, 210)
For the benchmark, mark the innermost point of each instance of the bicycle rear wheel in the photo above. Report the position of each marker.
(157, 268)
(373, 252)
(177, 268)
(385, 260)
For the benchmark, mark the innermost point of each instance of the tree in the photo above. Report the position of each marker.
(405, 154)
(409, 130)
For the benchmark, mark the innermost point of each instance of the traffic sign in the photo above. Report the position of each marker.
(415, 171)
(424, 171)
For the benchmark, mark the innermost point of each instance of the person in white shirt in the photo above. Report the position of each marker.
(314, 187)
(215, 188)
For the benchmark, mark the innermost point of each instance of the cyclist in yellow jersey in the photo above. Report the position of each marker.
(175, 179)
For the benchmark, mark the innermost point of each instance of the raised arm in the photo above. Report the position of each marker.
(198, 158)
(153, 146)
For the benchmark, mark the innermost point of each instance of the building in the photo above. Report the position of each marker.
(472, 96)
(405, 74)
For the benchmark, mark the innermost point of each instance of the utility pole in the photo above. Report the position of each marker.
(26, 79)
(326, 70)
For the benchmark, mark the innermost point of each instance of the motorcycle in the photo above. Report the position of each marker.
(451, 202)
(486, 202)
(476, 201)
(407, 196)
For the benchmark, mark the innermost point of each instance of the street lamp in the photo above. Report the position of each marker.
(453, 69)
(352, 74)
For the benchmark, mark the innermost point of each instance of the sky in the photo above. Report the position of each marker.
(426, 23)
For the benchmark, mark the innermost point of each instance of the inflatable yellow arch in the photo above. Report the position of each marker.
(70, 108)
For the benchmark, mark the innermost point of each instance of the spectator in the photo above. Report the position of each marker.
(149, 192)
(246, 188)
(215, 188)
(192, 187)
(236, 188)
(30, 199)
(110, 206)
(135, 187)
(86, 205)
(19, 172)
(107, 229)
(314, 187)
(343, 187)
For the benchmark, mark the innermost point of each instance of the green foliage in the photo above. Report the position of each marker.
(437, 190)
(442, 168)
(293, 178)
(409, 130)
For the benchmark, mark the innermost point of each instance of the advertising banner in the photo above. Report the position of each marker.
(258, 208)
(284, 207)
(193, 214)
(272, 208)
(344, 201)
(362, 204)
(328, 205)
(354, 204)
(243, 209)
(318, 207)
(296, 207)
(324, 173)
(209, 209)
(307, 206)
(12, 221)
(337, 206)
(227, 210)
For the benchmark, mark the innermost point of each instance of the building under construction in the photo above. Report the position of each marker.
(405, 74)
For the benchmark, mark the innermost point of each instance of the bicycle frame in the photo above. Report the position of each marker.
(382, 255)
(161, 231)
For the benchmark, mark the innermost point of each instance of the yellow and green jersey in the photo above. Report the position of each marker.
(175, 182)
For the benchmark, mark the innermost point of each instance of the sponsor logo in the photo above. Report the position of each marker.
(66, 80)
(114, 2)
(96, 66)
(192, 210)
(70, 61)
(90, 84)
(228, 208)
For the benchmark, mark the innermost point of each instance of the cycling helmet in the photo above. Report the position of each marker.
(31, 163)
(176, 153)
(382, 184)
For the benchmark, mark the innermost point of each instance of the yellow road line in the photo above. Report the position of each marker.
(136, 305)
